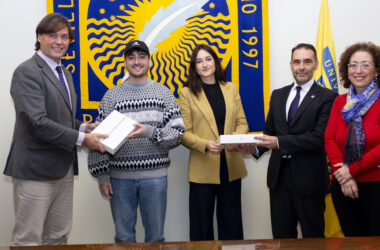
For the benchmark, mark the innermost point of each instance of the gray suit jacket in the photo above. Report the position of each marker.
(45, 133)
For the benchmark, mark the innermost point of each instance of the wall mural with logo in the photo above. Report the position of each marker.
(236, 30)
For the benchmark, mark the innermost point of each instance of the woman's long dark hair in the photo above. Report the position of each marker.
(194, 81)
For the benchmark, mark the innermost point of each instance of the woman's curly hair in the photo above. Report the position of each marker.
(369, 47)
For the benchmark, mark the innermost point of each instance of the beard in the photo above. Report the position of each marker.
(304, 79)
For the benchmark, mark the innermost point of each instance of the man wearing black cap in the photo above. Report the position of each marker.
(137, 173)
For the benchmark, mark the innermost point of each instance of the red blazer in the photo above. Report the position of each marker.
(368, 169)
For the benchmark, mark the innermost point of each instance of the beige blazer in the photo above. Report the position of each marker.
(200, 127)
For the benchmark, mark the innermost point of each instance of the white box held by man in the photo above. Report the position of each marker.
(239, 139)
(117, 126)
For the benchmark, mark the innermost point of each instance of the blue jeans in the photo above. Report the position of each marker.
(151, 195)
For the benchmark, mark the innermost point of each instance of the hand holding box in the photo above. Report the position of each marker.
(117, 126)
(239, 139)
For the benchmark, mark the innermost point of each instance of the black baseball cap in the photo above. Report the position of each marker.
(136, 44)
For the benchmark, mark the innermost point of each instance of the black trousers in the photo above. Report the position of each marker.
(288, 207)
(360, 216)
(228, 210)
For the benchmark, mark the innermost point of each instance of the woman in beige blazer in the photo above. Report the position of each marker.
(210, 106)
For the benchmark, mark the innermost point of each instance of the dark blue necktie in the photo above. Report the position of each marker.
(294, 105)
(60, 75)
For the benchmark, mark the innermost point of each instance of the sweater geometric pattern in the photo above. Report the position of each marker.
(153, 105)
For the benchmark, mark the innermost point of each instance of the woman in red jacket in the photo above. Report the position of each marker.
(352, 142)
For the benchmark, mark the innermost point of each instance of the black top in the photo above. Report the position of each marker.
(216, 99)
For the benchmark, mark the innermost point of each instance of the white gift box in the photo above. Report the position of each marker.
(117, 126)
(239, 139)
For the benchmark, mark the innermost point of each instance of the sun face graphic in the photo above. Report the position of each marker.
(170, 28)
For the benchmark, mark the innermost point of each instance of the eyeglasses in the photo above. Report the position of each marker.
(53, 36)
(355, 66)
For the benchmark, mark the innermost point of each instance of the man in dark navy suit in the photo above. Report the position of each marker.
(298, 176)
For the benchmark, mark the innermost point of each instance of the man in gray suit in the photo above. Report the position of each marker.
(42, 159)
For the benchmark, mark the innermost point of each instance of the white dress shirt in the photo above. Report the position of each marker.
(304, 89)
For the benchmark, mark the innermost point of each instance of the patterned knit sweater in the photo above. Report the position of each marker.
(153, 105)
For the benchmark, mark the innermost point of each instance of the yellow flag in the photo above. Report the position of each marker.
(326, 76)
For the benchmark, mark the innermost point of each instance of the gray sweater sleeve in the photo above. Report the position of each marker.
(98, 163)
(169, 133)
